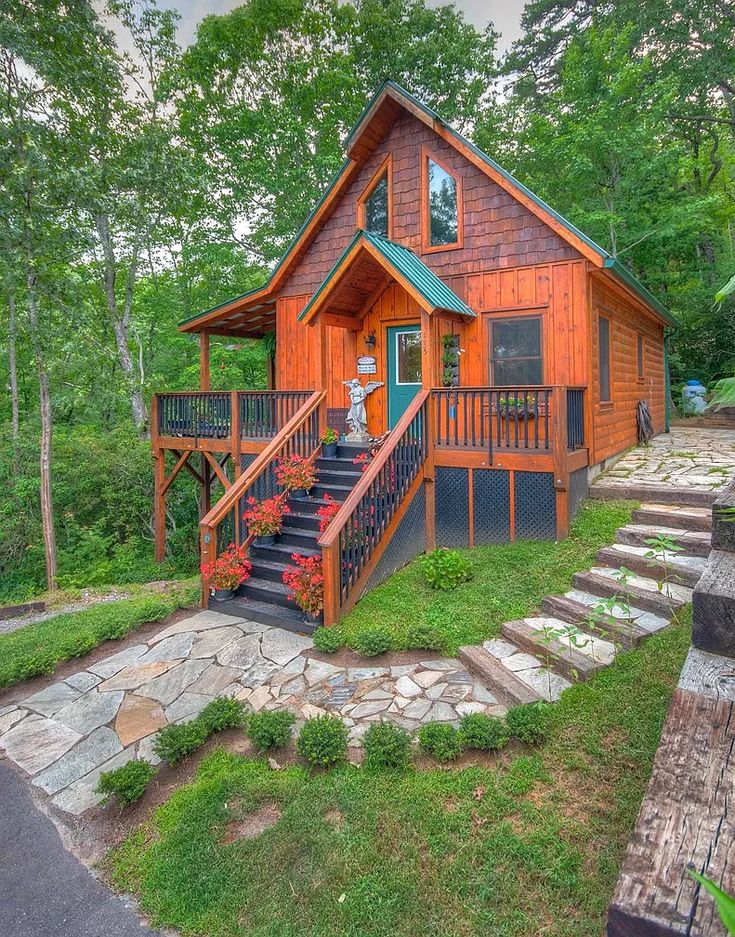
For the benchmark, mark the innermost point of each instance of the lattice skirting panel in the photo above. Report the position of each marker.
(578, 487)
(452, 507)
(535, 506)
(491, 506)
(407, 542)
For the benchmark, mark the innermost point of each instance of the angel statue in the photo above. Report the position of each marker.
(357, 417)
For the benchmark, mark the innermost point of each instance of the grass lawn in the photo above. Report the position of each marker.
(37, 649)
(509, 582)
(532, 846)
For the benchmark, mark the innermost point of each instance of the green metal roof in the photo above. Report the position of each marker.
(610, 263)
(436, 293)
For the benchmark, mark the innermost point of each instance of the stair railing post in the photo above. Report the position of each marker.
(559, 451)
(207, 554)
(332, 583)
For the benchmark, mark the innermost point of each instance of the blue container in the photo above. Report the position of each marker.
(692, 398)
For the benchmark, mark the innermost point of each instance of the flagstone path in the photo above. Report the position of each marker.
(66, 735)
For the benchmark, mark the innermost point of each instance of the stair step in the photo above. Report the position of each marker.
(626, 632)
(694, 542)
(346, 450)
(344, 465)
(682, 568)
(297, 536)
(265, 590)
(674, 515)
(660, 494)
(268, 569)
(282, 552)
(641, 591)
(553, 642)
(304, 506)
(502, 682)
(265, 613)
(338, 477)
(338, 492)
(647, 621)
(305, 520)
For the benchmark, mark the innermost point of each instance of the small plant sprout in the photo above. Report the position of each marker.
(661, 552)
(576, 639)
(548, 634)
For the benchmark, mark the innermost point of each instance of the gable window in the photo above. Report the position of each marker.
(515, 352)
(604, 333)
(640, 357)
(441, 199)
(374, 205)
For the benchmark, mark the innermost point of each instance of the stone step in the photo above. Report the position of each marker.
(674, 515)
(569, 650)
(624, 631)
(640, 590)
(680, 568)
(501, 682)
(649, 622)
(694, 542)
(513, 674)
(660, 494)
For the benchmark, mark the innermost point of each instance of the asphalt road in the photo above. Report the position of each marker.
(44, 890)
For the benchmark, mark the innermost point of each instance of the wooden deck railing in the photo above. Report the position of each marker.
(506, 418)
(222, 525)
(354, 540)
(259, 414)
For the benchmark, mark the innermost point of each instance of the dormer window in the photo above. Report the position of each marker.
(374, 205)
(442, 205)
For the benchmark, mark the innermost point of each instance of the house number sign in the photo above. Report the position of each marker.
(366, 364)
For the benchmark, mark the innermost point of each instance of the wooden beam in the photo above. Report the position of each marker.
(204, 383)
(159, 505)
(351, 323)
(167, 482)
(217, 470)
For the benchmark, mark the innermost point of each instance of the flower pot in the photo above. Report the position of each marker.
(329, 450)
(300, 494)
(314, 619)
(222, 594)
(265, 540)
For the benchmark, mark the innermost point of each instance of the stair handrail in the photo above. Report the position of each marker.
(229, 500)
(330, 537)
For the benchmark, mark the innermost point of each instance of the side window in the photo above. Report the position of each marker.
(374, 205)
(441, 198)
(604, 332)
(515, 352)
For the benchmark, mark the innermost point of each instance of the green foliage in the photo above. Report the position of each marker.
(270, 729)
(373, 640)
(441, 741)
(322, 741)
(387, 746)
(176, 742)
(529, 722)
(725, 903)
(126, 784)
(328, 640)
(36, 649)
(483, 732)
(445, 569)
(421, 636)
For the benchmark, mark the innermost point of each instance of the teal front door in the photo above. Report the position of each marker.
(404, 369)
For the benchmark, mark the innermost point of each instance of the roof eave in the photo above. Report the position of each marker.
(633, 283)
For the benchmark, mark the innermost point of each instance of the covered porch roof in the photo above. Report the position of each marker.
(367, 266)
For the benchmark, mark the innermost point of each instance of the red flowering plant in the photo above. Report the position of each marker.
(361, 459)
(230, 569)
(296, 473)
(305, 581)
(265, 518)
(327, 513)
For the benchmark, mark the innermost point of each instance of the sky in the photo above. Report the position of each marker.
(505, 15)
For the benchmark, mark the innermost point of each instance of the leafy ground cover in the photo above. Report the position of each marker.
(530, 846)
(37, 649)
(509, 581)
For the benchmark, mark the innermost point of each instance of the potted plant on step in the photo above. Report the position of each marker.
(305, 582)
(329, 440)
(264, 519)
(229, 571)
(297, 475)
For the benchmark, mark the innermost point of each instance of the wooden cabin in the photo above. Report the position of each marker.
(511, 352)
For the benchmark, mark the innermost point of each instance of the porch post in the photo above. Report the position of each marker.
(561, 459)
(204, 360)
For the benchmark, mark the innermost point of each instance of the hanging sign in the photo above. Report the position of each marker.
(366, 364)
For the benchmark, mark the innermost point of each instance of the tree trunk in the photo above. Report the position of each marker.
(13, 368)
(47, 511)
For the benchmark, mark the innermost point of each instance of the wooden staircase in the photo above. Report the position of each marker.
(576, 634)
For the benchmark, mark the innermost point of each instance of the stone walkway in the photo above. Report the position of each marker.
(66, 735)
(699, 459)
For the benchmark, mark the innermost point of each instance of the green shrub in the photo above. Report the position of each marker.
(424, 637)
(377, 639)
(323, 740)
(446, 569)
(270, 729)
(174, 743)
(528, 722)
(126, 784)
(220, 714)
(328, 640)
(387, 746)
(483, 732)
(440, 740)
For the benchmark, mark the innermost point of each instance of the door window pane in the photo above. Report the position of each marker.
(408, 357)
(443, 219)
(376, 208)
(604, 358)
(515, 352)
